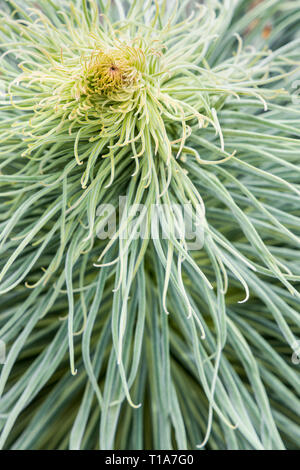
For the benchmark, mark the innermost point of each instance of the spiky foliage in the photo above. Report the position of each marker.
(167, 106)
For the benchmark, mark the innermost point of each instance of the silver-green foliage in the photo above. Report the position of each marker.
(133, 343)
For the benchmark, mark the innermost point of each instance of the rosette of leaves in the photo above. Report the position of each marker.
(133, 341)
